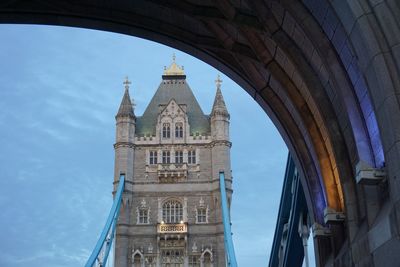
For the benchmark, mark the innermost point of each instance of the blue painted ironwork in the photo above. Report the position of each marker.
(292, 205)
(229, 249)
(107, 235)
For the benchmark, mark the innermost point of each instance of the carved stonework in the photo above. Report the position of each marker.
(194, 247)
(143, 210)
(172, 168)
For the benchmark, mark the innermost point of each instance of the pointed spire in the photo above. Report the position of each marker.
(126, 107)
(219, 107)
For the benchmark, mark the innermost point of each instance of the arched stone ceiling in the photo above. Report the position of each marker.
(325, 72)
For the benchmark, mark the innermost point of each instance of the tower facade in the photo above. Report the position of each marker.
(171, 156)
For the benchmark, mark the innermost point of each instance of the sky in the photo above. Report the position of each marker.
(60, 89)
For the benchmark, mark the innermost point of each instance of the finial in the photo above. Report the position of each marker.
(127, 83)
(143, 203)
(174, 69)
(218, 82)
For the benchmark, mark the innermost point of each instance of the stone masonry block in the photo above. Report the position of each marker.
(339, 38)
(288, 24)
(298, 36)
(387, 23)
(316, 61)
(346, 55)
(320, 9)
(307, 48)
(361, 88)
(331, 21)
(345, 15)
(367, 39)
(388, 253)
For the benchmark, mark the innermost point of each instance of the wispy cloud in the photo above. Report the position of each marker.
(58, 102)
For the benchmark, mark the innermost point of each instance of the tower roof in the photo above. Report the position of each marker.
(173, 86)
(174, 71)
(181, 92)
(219, 106)
(125, 108)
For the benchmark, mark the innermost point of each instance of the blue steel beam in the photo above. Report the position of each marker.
(104, 242)
(294, 253)
(229, 249)
(292, 204)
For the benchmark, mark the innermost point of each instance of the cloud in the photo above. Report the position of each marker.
(60, 99)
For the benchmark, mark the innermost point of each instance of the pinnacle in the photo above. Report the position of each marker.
(126, 109)
(219, 107)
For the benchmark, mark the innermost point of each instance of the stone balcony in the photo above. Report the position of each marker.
(172, 172)
(172, 228)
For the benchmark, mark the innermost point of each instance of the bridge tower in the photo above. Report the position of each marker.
(172, 156)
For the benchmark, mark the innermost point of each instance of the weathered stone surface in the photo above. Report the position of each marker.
(154, 178)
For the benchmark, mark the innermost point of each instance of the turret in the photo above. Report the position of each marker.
(220, 135)
(219, 116)
(125, 137)
(220, 147)
(124, 163)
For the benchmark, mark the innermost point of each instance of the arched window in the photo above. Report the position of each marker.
(137, 261)
(166, 130)
(207, 259)
(172, 212)
(179, 130)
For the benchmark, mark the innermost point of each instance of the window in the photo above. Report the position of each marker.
(207, 259)
(143, 212)
(166, 130)
(137, 260)
(153, 157)
(178, 157)
(192, 156)
(179, 130)
(166, 155)
(150, 261)
(172, 212)
(143, 216)
(194, 261)
(201, 215)
(172, 258)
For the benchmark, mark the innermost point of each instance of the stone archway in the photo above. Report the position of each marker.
(327, 74)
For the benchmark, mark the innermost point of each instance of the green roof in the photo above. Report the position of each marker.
(175, 88)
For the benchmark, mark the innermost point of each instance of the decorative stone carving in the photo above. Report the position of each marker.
(194, 247)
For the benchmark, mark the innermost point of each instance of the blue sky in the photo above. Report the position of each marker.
(60, 90)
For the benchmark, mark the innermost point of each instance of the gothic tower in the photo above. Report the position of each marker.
(172, 156)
